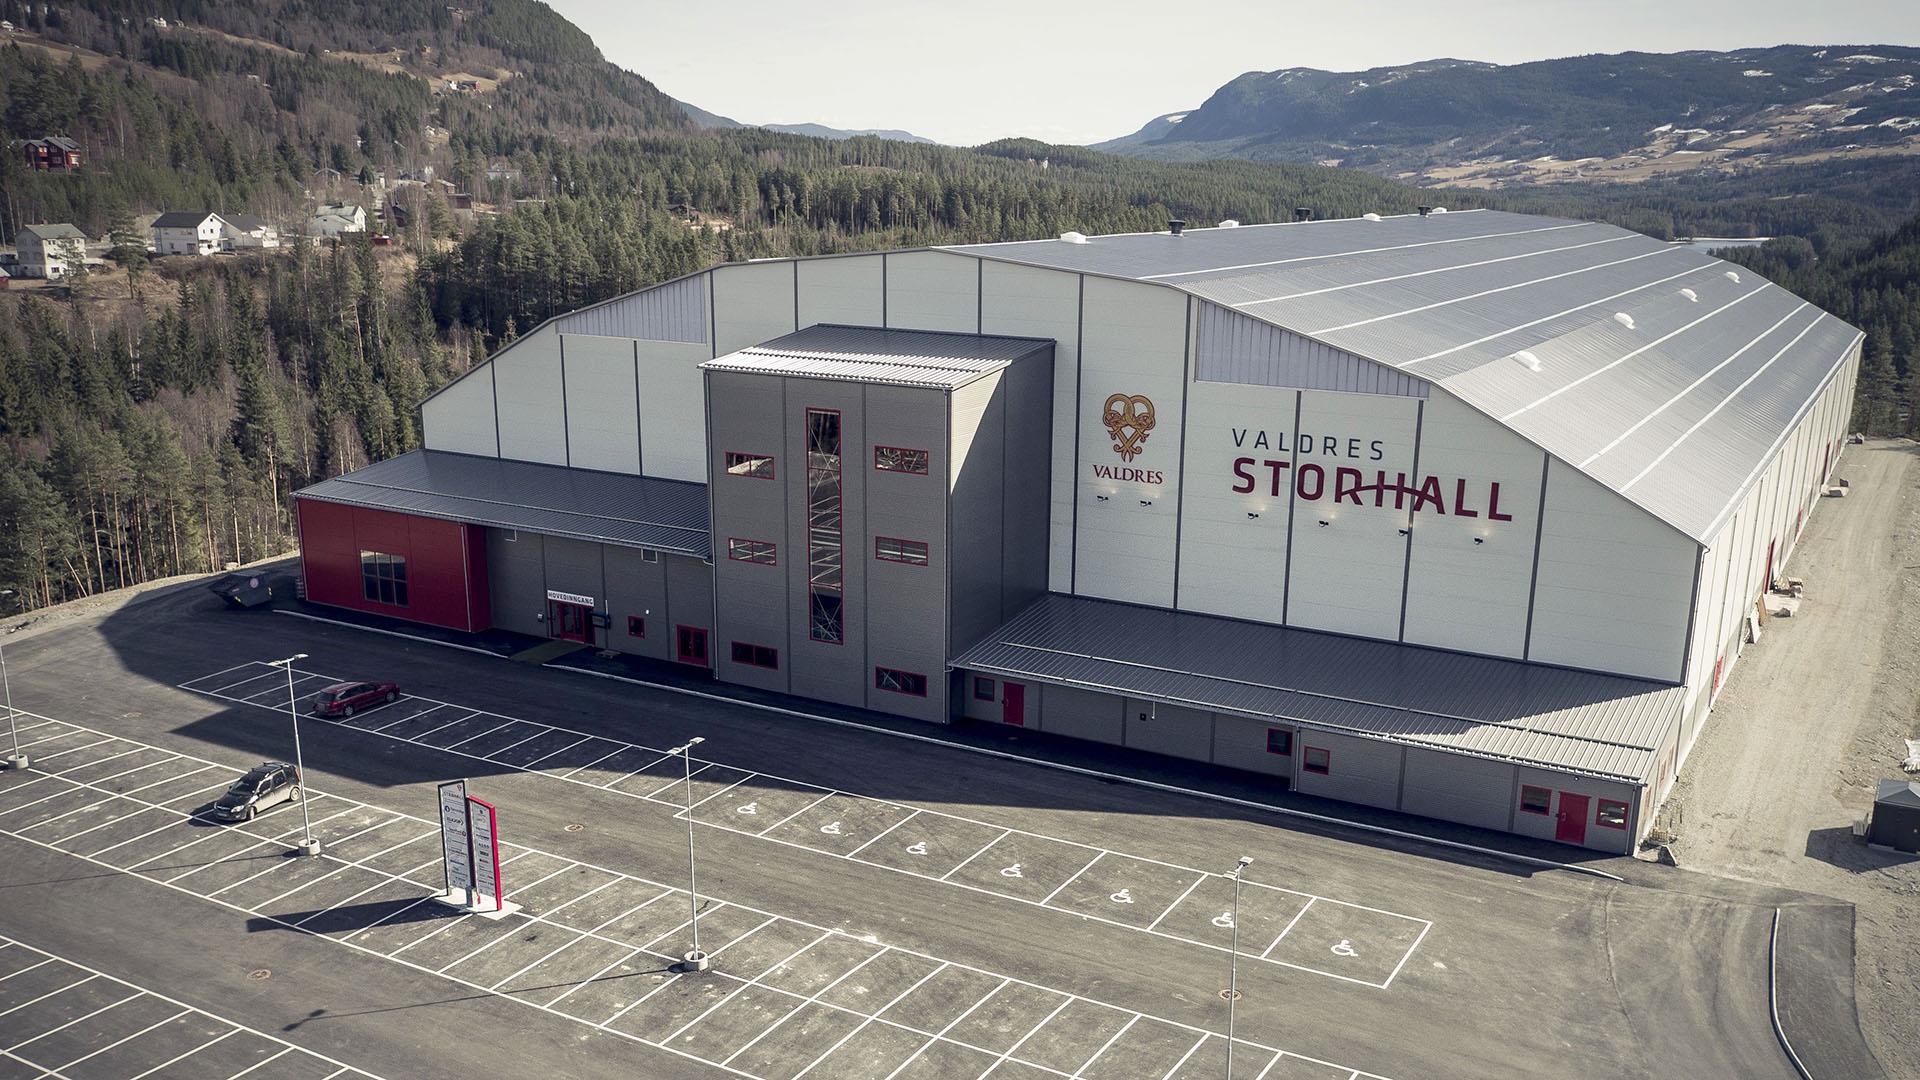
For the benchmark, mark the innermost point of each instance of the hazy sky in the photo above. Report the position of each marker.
(969, 71)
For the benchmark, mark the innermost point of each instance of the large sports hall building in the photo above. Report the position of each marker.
(1462, 514)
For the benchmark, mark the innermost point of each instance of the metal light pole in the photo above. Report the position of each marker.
(19, 762)
(695, 960)
(309, 844)
(1233, 960)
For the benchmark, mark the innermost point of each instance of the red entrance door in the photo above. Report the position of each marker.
(570, 622)
(1571, 827)
(690, 645)
(1013, 706)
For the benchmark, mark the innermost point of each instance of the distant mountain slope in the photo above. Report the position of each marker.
(705, 119)
(1624, 117)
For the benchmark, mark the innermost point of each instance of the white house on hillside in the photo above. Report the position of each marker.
(244, 231)
(51, 251)
(187, 232)
(332, 219)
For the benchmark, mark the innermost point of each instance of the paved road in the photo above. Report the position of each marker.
(1100, 957)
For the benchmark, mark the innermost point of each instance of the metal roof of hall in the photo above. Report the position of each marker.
(552, 500)
(1607, 726)
(1665, 374)
(868, 354)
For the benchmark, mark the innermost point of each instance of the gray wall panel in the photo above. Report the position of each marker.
(1079, 714)
(1169, 729)
(689, 595)
(978, 441)
(1365, 771)
(1241, 743)
(516, 581)
(636, 587)
(1452, 787)
(1029, 462)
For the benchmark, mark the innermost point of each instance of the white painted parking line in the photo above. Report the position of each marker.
(127, 1039)
(1057, 1010)
(755, 981)
(99, 761)
(591, 979)
(1177, 901)
(38, 758)
(470, 738)
(824, 798)
(1285, 930)
(1094, 852)
(511, 745)
(1074, 878)
(429, 731)
(182, 1057)
(1004, 833)
(823, 991)
(1183, 1057)
(403, 719)
(529, 765)
(24, 970)
(83, 1017)
(941, 1034)
(1108, 1045)
(50, 993)
(256, 1066)
(866, 1014)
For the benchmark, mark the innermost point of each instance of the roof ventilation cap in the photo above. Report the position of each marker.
(1531, 362)
(1691, 295)
(1733, 277)
(1371, 217)
(1303, 213)
(1175, 226)
(1623, 319)
(1229, 224)
(1073, 238)
(1439, 209)
(1425, 210)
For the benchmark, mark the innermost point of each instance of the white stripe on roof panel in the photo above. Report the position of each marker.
(1435, 270)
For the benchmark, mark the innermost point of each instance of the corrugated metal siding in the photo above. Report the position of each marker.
(675, 311)
(636, 511)
(873, 355)
(1451, 299)
(1236, 348)
(1598, 724)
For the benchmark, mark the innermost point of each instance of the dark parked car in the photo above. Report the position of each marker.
(267, 784)
(346, 698)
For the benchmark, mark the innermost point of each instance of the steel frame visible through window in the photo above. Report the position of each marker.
(826, 581)
(1325, 768)
(751, 466)
(894, 549)
(1536, 793)
(900, 459)
(895, 681)
(764, 552)
(1614, 807)
(760, 656)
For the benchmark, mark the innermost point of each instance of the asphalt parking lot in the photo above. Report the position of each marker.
(855, 889)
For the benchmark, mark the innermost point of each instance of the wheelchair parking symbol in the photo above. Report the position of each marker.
(1344, 948)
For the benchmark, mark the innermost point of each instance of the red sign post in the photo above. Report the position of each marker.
(483, 827)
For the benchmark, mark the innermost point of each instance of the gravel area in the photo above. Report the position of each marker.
(1811, 717)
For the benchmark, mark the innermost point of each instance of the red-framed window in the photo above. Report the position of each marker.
(894, 549)
(636, 626)
(983, 688)
(1316, 759)
(690, 645)
(752, 466)
(1611, 814)
(900, 459)
(1280, 741)
(900, 682)
(760, 656)
(1535, 800)
(764, 552)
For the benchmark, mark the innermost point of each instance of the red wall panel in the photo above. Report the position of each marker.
(446, 563)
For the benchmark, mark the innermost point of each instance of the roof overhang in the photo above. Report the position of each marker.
(1591, 724)
(550, 500)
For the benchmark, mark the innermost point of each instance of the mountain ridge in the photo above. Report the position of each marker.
(1623, 116)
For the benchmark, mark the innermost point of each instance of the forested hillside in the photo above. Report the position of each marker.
(1876, 287)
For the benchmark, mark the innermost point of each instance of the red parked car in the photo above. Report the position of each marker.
(345, 698)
